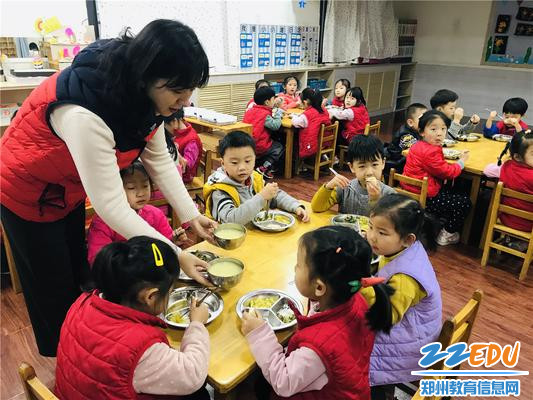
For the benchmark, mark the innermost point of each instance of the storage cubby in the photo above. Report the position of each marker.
(405, 86)
(321, 80)
(280, 76)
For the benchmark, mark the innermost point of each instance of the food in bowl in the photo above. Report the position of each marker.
(451, 154)
(229, 234)
(468, 137)
(261, 302)
(225, 269)
(179, 318)
(225, 272)
(285, 314)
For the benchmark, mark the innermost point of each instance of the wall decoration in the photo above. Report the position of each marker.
(502, 24)
(500, 44)
(525, 14)
(524, 30)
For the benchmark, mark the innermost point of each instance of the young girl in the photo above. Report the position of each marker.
(309, 122)
(112, 343)
(341, 87)
(397, 226)
(354, 113)
(329, 355)
(425, 158)
(137, 187)
(290, 97)
(183, 144)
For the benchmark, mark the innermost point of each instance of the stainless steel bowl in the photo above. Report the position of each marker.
(225, 282)
(179, 299)
(229, 244)
(276, 221)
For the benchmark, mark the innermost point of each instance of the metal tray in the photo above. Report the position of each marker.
(357, 222)
(449, 143)
(202, 255)
(502, 138)
(270, 313)
(471, 137)
(451, 154)
(178, 302)
(272, 224)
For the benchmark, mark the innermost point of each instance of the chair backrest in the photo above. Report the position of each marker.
(328, 136)
(421, 183)
(373, 129)
(510, 193)
(34, 389)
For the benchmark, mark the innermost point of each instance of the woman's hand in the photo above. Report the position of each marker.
(250, 321)
(193, 267)
(204, 228)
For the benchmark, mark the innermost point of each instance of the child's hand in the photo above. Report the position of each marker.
(183, 163)
(338, 181)
(458, 115)
(464, 156)
(278, 102)
(373, 187)
(250, 321)
(303, 214)
(199, 313)
(269, 191)
(475, 119)
(179, 237)
(493, 114)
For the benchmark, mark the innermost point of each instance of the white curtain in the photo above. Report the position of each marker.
(355, 29)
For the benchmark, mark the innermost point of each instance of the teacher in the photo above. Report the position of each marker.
(69, 140)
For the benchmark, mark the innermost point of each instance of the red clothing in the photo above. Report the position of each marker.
(99, 348)
(100, 234)
(510, 130)
(425, 159)
(357, 125)
(182, 137)
(342, 339)
(289, 101)
(249, 102)
(308, 137)
(337, 101)
(519, 177)
(257, 116)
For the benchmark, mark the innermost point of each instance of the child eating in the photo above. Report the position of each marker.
(514, 110)
(445, 100)
(408, 133)
(237, 193)
(290, 96)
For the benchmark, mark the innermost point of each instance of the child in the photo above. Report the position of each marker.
(290, 97)
(112, 343)
(446, 101)
(183, 137)
(341, 87)
(366, 160)
(398, 226)
(137, 187)
(260, 83)
(425, 158)
(514, 110)
(309, 122)
(237, 193)
(328, 356)
(265, 119)
(355, 114)
(408, 133)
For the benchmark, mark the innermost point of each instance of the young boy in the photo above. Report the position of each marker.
(408, 134)
(366, 160)
(445, 101)
(514, 110)
(264, 118)
(236, 193)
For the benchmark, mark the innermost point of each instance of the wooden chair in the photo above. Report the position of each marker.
(495, 226)
(421, 183)
(373, 129)
(328, 135)
(454, 330)
(34, 389)
(15, 281)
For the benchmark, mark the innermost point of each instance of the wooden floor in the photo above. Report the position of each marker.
(505, 315)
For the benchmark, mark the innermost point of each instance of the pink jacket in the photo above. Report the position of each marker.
(100, 234)
(289, 101)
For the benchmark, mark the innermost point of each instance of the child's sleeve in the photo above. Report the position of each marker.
(300, 371)
(285, 202)
(323, 199)
(166, 371)
(345, 115)
(300, 121)
(469, 127)
(98, 236)
(273, 123)
(191, 152)
(436, 166)
(161, 223)
(490, 132)
(224, 210)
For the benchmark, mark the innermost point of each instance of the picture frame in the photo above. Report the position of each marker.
(502, 23)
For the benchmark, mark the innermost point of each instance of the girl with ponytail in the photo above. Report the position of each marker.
(328, 357)
(398, 231)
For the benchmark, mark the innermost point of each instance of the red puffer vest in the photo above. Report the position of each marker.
(182, 138)
(337, 102)
(343, 341)
(99, 348)
(357, 125)
(517, 176)
(257, 116)
(308, 137)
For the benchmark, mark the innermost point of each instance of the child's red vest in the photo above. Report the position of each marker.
(182, 138)
(343, 341)
(257, 116)
(99, 348)
(357, 125)
(517, 176)
(308, 137)
(337, 102)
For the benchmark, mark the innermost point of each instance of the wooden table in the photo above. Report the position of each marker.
(202, 126)
(288, 129)
(269, 260)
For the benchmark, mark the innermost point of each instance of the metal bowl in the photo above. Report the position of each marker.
(277, 221)
(357, 222)
(179, 300)
(203, 255)
(225, 282)
(229, 243)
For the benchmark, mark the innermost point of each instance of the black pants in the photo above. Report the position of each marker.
(383, 392)
(272, 156)
(453, 207)
(51, 260)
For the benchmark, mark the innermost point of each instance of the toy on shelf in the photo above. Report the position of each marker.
(70, 35)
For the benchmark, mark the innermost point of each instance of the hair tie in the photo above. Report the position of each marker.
(339, 249)
(158, 257)
(364, 282)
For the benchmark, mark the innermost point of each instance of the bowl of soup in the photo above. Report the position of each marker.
(225, 272)
(230, 236)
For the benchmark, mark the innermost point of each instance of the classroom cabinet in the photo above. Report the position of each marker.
(378, 88)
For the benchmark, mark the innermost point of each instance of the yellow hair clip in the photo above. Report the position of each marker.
(158, 258)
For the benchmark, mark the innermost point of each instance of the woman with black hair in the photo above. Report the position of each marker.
(69, 140)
